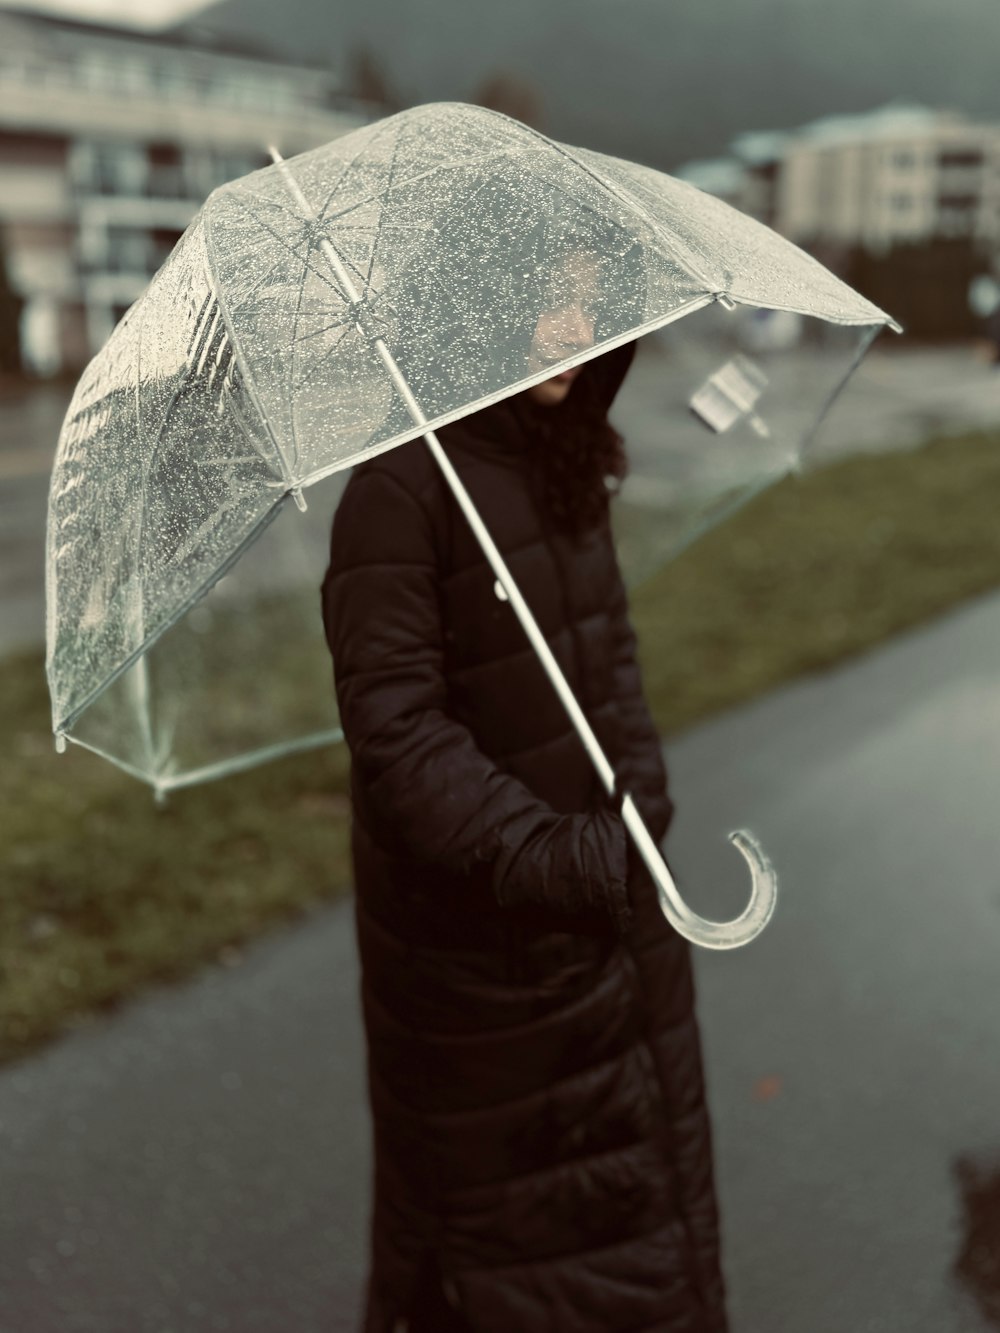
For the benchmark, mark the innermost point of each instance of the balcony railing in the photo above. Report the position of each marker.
(174, 81)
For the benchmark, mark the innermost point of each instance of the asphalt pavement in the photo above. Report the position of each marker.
(200, 1161)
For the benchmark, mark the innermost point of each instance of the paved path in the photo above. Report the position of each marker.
(853, 1050)
(200, 1162)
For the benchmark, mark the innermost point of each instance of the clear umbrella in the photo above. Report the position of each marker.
(322, 310)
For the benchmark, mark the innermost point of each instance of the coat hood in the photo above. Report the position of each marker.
(515, 424)
(606, 375)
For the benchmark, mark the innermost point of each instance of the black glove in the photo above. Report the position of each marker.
(570, 863)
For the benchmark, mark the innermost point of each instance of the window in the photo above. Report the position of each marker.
(110, 169)
(165, 178)
(958, 203)
(960, 157)
(128, 250)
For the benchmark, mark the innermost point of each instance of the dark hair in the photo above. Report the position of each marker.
(579, 454)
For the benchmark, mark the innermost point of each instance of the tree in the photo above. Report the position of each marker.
(368, 81)
(512, 96)
(925, 285)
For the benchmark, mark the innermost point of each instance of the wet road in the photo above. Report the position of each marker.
(853, 1051)
(201, 1161)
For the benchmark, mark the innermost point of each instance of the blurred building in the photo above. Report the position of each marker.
(760, 158)
(721, 176)
(109, 141)
(897, 176)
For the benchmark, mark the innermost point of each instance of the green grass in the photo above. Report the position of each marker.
(102, 892)
(817, 569)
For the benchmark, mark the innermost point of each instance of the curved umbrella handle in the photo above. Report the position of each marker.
(709, 934)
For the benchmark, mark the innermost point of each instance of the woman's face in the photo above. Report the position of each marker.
(565, 326)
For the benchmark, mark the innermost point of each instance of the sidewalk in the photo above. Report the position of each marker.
(200, 1161)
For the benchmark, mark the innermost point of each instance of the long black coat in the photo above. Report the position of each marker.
(539, 1118)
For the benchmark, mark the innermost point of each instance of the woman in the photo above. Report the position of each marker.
(542, 1154)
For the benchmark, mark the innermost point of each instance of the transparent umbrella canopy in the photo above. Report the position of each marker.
(324, 309)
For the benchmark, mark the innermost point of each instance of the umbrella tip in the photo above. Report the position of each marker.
(275, 153)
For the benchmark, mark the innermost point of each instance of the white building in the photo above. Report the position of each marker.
(760, 156)
(109, 141)
(895, 176)
(898, 175)
(722, 176)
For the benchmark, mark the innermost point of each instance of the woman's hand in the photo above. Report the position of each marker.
(570, 863)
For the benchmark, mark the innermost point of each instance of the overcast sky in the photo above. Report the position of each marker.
(136, 13)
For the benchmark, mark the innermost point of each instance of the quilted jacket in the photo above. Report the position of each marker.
(540, 1129)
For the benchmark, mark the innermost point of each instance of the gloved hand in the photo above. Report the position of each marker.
(567, 862)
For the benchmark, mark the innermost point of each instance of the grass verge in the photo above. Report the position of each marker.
(817, 569)
(102, 892)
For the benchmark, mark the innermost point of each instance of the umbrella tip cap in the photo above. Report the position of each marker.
(60, 742)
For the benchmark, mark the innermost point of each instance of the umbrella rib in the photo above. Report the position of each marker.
(345, 322)
(296, 214)
(294, 352)
(286, 245)
(613, 190)
(258, 284)
(135, 595)
(384, 205)
(247, 377)
(324, 328)
(200, 343)
(331, 285)
(453, 165)
(319, 363)
(376, 134)
(196, 351)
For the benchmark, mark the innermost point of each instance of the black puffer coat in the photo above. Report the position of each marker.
(540, 1128)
